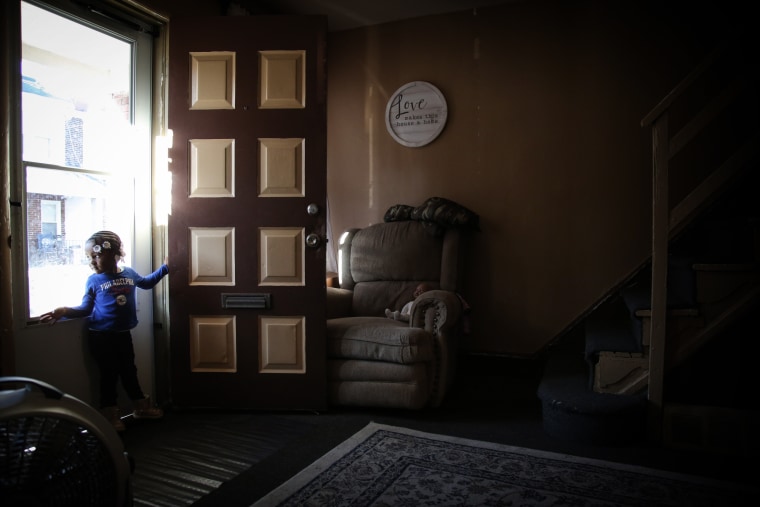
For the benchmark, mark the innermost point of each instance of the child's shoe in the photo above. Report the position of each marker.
(112, 414)
(144, 409)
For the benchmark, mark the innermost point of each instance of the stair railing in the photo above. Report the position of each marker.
(667, 222)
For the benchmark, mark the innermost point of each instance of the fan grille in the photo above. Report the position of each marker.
(47, 461)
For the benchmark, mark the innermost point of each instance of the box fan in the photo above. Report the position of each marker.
(56, 450)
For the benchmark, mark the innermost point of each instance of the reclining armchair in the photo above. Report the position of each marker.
(373, 360)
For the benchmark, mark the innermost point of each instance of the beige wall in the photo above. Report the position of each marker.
(543, 141)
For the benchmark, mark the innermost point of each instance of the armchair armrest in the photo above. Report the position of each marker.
(439, 312)
(436, 311)
(339, 302)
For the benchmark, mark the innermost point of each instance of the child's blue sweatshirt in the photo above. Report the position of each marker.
(109, 298)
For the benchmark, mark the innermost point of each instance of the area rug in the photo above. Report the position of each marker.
(390, 466)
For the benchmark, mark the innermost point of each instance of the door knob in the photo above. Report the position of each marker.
(312, 209)
(313, 240)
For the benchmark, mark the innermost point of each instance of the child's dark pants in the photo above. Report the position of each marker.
(115, 357)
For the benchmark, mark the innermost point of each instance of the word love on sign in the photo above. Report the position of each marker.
(416, 114)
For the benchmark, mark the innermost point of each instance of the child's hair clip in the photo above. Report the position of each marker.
(98, 248)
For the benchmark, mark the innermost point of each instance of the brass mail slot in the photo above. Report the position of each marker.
(259, 301)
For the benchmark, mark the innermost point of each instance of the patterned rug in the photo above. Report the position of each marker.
(390, 466)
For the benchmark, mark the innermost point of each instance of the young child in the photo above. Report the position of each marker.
(404, 314)
(109, 302)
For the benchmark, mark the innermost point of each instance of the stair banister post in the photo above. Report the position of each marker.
(660, 235)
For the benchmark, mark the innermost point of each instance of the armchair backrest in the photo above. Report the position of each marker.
(383, 263)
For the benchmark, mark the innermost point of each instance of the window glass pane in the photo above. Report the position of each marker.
(80, 204)
(76, 91)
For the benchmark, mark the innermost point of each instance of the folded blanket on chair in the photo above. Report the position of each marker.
(437, 212)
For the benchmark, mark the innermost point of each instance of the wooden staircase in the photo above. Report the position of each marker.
(704, 272)
(714, 149)
(724, 292)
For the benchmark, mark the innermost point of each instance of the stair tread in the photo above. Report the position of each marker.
(672, 312)
(723, 266)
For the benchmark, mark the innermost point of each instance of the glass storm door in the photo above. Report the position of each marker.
(86, 140)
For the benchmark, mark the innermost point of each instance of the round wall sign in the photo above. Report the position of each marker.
(416, 114)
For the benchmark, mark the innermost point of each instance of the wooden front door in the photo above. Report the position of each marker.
(247, 107)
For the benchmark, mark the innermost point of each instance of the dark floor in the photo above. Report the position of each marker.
(494, 400)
